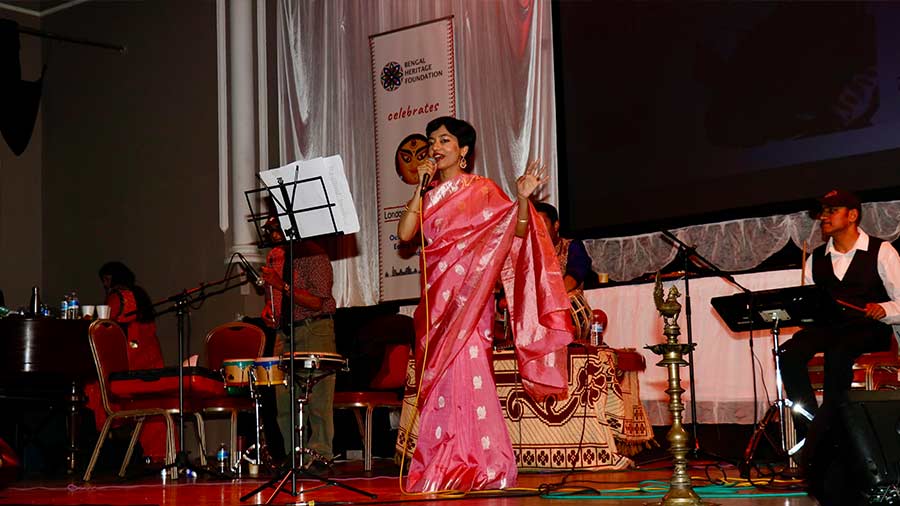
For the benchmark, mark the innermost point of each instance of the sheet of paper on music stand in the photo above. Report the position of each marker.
(310, 192)
(334, 166)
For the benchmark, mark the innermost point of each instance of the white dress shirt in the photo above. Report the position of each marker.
(888, 270)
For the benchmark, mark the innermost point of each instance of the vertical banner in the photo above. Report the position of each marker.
(413, 82)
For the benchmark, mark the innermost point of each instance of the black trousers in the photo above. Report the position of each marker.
(842, 343)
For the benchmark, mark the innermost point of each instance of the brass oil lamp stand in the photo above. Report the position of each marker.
(672, 352)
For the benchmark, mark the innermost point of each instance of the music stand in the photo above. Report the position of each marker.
(773, 310)
(317, 204)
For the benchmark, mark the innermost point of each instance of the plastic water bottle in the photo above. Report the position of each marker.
(64, 308)
(596, 330)
(74, 309)
(222, 457)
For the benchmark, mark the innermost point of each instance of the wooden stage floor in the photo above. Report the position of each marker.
(383, 482)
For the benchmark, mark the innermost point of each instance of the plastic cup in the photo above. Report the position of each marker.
(103, 312)
(87, 312)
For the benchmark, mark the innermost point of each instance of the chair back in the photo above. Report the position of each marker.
(392, 374)
(109, 349)
(233, 340)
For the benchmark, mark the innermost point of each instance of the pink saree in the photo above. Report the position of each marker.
(463, 442)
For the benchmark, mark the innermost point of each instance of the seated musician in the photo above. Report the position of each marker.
(575, 263)
(855, 270)
(312, 313)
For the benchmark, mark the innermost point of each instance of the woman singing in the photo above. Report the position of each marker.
(474, 235)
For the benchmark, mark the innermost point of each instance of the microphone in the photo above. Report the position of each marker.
(426, 178)
(250, 272)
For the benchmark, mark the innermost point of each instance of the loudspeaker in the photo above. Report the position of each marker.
(872, 424)
(854, 457)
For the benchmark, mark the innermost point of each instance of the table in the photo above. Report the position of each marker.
(598, 425)
(724, 377)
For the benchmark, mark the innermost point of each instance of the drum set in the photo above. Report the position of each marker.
(245, 377)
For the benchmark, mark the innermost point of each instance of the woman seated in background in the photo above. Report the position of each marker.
(130, 307)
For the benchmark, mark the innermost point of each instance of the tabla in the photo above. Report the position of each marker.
(236, 372)
(268, 371)
(581, 315)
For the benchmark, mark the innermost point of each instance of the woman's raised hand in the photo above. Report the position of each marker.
(535, 175)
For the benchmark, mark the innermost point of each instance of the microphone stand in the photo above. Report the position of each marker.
(180, 305)
(688, 253)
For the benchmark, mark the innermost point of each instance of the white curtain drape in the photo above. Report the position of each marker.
(731, 245)
(504, 55)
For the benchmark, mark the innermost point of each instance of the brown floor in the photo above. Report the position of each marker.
(382, 482)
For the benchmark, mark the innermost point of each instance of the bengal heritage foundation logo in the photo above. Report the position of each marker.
(391, 76)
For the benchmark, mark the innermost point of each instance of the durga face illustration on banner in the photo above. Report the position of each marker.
(411, 151)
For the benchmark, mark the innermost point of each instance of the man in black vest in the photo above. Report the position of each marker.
(855, 269)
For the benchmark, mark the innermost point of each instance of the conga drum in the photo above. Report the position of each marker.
(236, 372)
(269, 372)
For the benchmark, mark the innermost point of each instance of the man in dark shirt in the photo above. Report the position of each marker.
(312, 313)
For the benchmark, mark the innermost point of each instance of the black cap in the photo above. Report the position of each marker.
(840, 198)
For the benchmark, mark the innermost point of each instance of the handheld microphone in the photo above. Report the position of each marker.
(250, 272)
(426, 178)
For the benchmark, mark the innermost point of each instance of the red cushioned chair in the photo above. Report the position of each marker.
(871, 371)
(382, 393)
(108, 344)
(230, 341)
(9, 464)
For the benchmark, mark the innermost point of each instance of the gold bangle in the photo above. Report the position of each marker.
(523, 220)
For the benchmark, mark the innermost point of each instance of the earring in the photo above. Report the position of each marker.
(463, 163)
